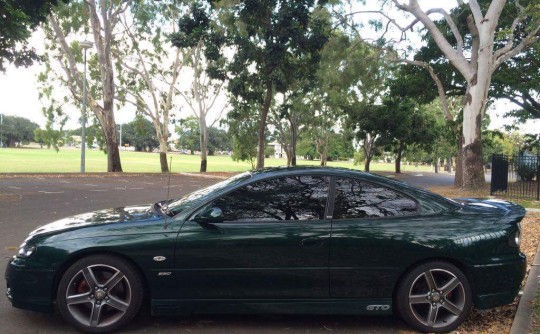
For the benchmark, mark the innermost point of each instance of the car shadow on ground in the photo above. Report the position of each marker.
(241, 324)
(261, 324)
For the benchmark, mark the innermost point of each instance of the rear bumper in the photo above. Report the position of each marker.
(498, 282)
(29, 289)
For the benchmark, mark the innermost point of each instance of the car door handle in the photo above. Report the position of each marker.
(312, 242)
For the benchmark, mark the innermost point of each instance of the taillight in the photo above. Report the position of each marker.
(514, 239)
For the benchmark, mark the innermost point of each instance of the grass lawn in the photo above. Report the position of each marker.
(67, 160)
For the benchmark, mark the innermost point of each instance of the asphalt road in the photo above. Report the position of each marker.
(27, 202)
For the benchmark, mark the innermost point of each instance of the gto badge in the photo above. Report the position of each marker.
(164, 273)
(378, 307)
(159, 258)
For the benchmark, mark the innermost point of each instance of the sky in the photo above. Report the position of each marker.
(19, 93)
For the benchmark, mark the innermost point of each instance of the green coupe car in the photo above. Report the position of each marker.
(283, 240)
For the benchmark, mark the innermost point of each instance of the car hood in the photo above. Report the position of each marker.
(139, 213)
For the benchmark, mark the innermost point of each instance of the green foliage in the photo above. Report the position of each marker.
(359, 158)
(514, 80)
(93, 133)
(188, 132)
(48, 137)
(526, 171)
(141, 134)
(350, 71)
(340, 146)
(16, 131)
(218, 140)
(306, 148)
(277, 44)
(19, 19)
(269, 151)
(532, 143)
(244, 135)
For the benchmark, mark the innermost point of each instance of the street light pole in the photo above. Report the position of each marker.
(85, 45)
(1, 129)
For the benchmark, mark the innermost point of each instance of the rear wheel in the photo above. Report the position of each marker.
(99, 293)
(434, 297)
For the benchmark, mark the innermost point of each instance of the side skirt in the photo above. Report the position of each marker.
(278, 306)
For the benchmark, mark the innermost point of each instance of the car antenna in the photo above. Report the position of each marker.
(168, 192)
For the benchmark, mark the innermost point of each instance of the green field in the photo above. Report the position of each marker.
(68, 161)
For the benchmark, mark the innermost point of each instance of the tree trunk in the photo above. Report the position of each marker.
(367, 147)
(288, 152)
(293, 145)
(436, 159)
(458, 178)
(398, 158)
(367, 163)
(262, 124)
(324, 155)
(111, 140)
(473, 170)
(163, 162)
(102, 31)
(203, 129)
(449, 164)
(113, 156)
(163, 155)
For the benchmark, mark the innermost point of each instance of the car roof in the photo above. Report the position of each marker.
(286, 170)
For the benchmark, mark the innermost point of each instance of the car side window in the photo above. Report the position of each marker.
(360, 199)
(278, 199)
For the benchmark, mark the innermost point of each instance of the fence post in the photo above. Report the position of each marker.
(492, 167)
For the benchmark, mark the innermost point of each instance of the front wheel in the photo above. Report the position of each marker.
(99, 293)
(434, 297)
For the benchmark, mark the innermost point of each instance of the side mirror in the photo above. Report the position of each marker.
(210, 215)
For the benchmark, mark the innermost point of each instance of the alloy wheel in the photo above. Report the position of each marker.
(437, 298)
(98, 295)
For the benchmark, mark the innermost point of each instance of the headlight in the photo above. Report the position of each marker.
(26, 250)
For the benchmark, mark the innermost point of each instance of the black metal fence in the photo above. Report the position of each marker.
(515, 176)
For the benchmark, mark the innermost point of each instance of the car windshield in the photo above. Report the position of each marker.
(177, 206)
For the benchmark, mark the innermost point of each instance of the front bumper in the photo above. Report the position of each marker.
(29, 289)
(498, 283)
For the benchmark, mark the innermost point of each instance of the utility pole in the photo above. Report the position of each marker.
(85, 45)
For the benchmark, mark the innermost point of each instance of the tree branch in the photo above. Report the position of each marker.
(457, 59)
(476, 12)
(438, 82)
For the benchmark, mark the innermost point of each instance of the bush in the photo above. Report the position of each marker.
(359, 158)
(525, 171)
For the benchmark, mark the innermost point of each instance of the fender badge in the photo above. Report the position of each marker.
(159, 258)
(164, 273)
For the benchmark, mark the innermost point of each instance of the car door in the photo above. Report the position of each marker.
(369, 238)
(272, 242)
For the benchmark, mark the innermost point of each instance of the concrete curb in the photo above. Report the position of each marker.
(204, 176)
(532, 210)
(522, 320)
(103, 175)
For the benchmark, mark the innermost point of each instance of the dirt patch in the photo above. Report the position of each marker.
(9, 198)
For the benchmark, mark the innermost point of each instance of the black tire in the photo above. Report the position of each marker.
(105, 292)
(437, 310)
